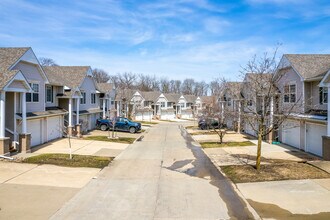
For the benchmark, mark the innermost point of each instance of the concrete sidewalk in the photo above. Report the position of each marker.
(30, 191)
(296, 199)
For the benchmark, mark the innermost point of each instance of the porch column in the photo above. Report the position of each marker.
(103, 108)
(70, 127)
(23, 102)
(24, 138)
(326, 139)
(328, 130)
(222, 112)
(239, 117)
(77, 115)
(271, 111)
(70, 112)
(2, 114)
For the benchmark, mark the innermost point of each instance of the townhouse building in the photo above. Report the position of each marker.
(26, 119)
(230, 102)
(306, 98)
(75, 90)
(185, 106)
(144, 107)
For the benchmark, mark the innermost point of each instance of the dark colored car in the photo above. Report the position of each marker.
(207, 123)
(121, 124)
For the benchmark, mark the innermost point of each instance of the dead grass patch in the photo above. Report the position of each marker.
(226, 144)
(273, 172)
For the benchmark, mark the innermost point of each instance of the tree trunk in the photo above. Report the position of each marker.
(259, 147)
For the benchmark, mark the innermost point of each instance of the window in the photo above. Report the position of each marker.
(323, 95)
(49, 94)
(290, 93)
(229, 101)
(93, 98)
(83, 99)
(169, 104)
(34, 95)
(162, 104)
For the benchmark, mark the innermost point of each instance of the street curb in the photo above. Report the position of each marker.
(239, 193)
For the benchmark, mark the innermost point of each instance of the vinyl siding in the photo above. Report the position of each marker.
(32, 74)
(88, 87)
(291, 77)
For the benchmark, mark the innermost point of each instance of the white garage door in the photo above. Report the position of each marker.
(55, 128)
(314, 135)
(291, 133)
(34, 127)
(92, 121)
(249, 130)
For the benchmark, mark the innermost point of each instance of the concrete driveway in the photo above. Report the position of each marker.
(30, 191)
(165, 176)
(78, 146)
(294, 199)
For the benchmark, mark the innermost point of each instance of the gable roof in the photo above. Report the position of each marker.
(151, 96)
(234, 89)
(190, 98)
(124, 93)
(8, 57)
(105, 87)
(310, 66)
(172, 97)
(208, 99)
(70, 76)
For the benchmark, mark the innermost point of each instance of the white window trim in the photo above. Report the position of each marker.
(31, 85)
(323, 102)
(83, 103)
(94, 96)
(295, 92)
(52, 93)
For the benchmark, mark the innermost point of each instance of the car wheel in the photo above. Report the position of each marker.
(132, 130)
(104, 127)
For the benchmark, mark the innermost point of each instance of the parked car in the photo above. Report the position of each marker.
(207, 123)
(121, 124)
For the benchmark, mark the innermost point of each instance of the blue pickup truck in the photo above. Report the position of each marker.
(121, 124)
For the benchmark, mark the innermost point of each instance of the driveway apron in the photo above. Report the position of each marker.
(164, 176)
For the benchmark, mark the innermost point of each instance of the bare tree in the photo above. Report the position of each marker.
(262, 98)
(126, 79)
(175, 86)
(200, 88)
(187, 87)
(44, 61)
(165, 85)
(100, 76)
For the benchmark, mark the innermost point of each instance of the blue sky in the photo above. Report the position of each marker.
(202, 39)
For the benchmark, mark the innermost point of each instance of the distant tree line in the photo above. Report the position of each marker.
(143, 82)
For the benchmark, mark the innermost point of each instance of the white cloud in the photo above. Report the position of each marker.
(216, 25)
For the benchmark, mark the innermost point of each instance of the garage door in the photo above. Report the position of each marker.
(34, 127)
(291, 133)
(249, 130)
(92, 121)
(55, 128)
(314, 135)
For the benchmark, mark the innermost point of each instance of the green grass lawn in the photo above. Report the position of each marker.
(64, 160)
(226, 144)
(124, 140)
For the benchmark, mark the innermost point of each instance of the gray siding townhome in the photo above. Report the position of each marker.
(144, 105)
(166, 105)
(107, 96)
(25, 119)
(230, 105)
(299, 84)
(79, 96)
